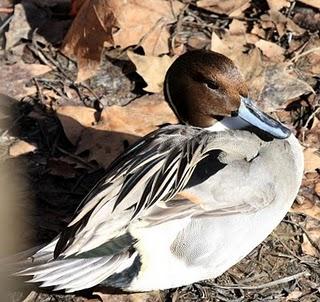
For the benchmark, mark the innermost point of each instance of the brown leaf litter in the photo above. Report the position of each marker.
(103, 137)
(14, 77)
(119, 23)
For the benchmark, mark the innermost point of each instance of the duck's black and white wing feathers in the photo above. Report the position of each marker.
(154, 169)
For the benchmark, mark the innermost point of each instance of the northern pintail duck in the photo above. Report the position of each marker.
(187, 201)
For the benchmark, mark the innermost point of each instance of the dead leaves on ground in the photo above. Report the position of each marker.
(106, 136)
(118, 23)
(14, 77)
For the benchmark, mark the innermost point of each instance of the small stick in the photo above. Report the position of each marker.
(269, 284)
(5, 23)
(295, 58)
(76, 158)
(6, 10)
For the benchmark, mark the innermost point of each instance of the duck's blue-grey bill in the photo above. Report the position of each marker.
(251, 114)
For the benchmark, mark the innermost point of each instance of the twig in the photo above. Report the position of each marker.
(312, 115)
(40, 94)
(6, 10)
(5, 23)
(265, 285)
(287, 248)
(295, 58)
(313, 243)
(79, 159)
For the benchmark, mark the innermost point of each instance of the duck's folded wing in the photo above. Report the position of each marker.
(154, 169)
(151, 172)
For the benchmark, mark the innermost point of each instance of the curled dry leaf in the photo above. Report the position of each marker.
(117, 127)
(152, 69)
(13, 78)
(142, 22)
(228, 7)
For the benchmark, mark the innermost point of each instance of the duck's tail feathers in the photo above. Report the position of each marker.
(74, 274)
(34, 256)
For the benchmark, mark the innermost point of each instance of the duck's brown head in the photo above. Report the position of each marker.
(203, 86)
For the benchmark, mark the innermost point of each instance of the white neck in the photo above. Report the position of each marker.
(228, 123)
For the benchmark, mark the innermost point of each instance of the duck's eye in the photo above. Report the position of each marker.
(211, 84)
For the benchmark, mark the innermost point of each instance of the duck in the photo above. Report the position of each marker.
(187, 201)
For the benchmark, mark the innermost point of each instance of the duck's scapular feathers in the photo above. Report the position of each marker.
(187, 201)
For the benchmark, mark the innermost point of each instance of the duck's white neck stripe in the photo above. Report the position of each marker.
(228, 123)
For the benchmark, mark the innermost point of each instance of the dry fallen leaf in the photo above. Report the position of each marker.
(75, 120)
(311, 159)
(13, 78)
(144, 22)
(87, 34)
(283, 23)
(21, 147)
(280, 86)
(19, 26)
(308, 208)
(312, 228)
(314, 3)
(140, 22)
(117, 126)
(278, 4)
(271, 50)
(309, 59)
(294, 295)
(232, 44)
(228, 7)
(152, 69)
